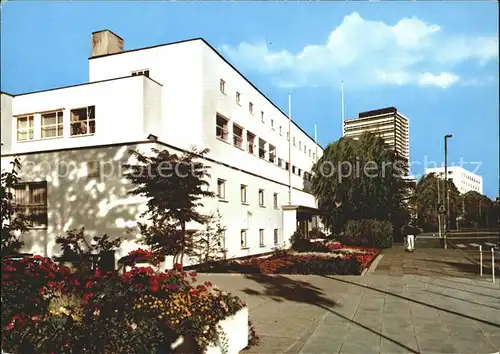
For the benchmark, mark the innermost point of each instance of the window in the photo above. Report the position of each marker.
(243, 238)
(288, 136)
(83, 121)
(293, 169)
(221, 127)
(250, 107)
(222, 241)
(272, 124)
(52, 124)
(30, 199)
(25, 128)
(306, 177)
(300, 145)
(141, 72)
(272, 153)
(250, 142)
(300, 172)
(262, 116)
(309, 152)
(262, 148)
(238, 136)
(93, 169)
(287, 166)
(238, 98)
(275, 200)
(261, 197)
(281, 130)
(276, 237)
(261, 238)
(305, 148)
(293, 141)
(221, 189)
(314, 155)
(280, 162)
(243, 192)
(222, 86)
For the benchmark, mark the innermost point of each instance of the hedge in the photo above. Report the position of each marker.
(368, 233)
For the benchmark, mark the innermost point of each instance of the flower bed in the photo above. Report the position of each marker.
(48, 309)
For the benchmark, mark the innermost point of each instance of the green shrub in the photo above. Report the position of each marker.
(298, 242)
(368, 233)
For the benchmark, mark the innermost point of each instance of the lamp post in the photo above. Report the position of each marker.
(445, 226)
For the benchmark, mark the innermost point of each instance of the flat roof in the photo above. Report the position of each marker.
(377, 112)
(224, 59)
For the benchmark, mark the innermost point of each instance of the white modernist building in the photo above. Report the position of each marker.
(72, 142)
(464, 180)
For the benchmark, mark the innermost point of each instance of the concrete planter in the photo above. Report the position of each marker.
(232, 341)
(235, 334)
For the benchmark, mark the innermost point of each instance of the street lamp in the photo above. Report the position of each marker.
(446, 137)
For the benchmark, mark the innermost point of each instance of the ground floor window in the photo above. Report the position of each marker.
(243, 238)
(30, 199)
(261, 237)
(276, 238)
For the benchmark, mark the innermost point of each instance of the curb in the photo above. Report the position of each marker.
(373, 265)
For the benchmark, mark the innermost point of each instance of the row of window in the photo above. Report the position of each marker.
(221, 194)
(265, 149)
(262, 238)
(52, 125)
(30, 199)
(262, 118)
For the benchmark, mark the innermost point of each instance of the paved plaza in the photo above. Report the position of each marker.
(421, 307)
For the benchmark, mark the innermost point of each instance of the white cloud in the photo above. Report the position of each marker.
(363, 53)
(443, 80)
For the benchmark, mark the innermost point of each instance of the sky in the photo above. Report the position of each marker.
(436, 62)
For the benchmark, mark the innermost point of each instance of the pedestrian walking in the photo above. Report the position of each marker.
(410, 232)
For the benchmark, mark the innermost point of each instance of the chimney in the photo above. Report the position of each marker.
(106, 42)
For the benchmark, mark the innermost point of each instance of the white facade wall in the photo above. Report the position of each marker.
(178, 104)
(464, 180)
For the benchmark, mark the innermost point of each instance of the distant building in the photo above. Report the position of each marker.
(387, 123)
(464, 180)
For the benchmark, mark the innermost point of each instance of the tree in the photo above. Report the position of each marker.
(174, 186)
(477, 210)
(359, 179)
(13, 223)
(207, 245)
(429, 196)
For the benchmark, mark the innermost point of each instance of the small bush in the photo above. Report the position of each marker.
(300, 244)
(368, 233)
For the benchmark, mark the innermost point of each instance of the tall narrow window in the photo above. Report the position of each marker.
(243, 238)
(221, 127)
(221, 189)
(300, 145)
(309, 152)
(262, 148)
(25, 128)
(261, 197)
(83, 121)
(281, 130)
(237, 136)
(222, 86)
(30, 199)
(293, 141)
(275, 200)
(238, 98)
(243, 192)
(272, 124)
(250, 107)
(272, 153)
(250, 142)
(280, 162)
(52, 124)
(287, 166)
(262, 116)
(261, 238)
(276, 237)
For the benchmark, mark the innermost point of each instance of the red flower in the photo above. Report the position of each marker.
(87, 296)
(208, 284)
(153, 285)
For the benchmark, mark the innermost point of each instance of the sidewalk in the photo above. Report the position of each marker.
(426, 262)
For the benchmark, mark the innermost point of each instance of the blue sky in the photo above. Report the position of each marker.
(437, 62)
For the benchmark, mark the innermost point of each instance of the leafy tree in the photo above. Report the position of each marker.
(359, 179)
(13, 223)
(174, 186)
(206, 245)
(429, 196)
(476, 210)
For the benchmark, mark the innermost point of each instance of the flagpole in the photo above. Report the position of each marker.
(316, 141)
(289, 149)
(343, 112)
